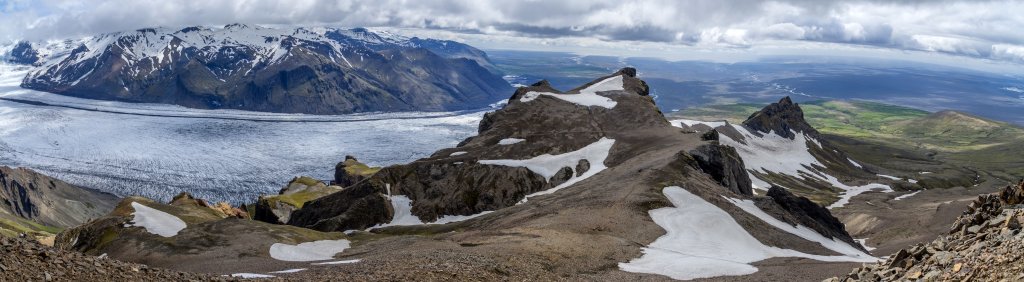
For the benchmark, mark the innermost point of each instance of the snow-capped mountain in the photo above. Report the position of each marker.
(779, 148)
(300, 70)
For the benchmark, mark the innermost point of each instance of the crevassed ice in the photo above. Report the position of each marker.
(587, 96)
(156, 221)
(703, 241)
(308, 251)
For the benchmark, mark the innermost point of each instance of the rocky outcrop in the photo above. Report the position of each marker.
(313, 71)
(278, 208)
(350, 171)
(781, 118)
(455, 182)
(725, 166)
(983, 245)
(25, 260)
(27, 194)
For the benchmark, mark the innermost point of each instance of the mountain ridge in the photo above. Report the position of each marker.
(300, 70)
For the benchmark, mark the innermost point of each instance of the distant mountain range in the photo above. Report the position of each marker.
(300, 70)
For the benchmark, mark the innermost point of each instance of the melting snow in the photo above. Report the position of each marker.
(289, 270)
(456, 154)
(547, 165)
(864, 242)
(704, 241)
(308, 251)
(251, 275)
(337, 262)
(904, 196)
(587, 96)
(890, 177)
(156, 221)
(690, 122)
(510, 141)
(854, 163)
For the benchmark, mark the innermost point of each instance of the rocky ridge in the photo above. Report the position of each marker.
(984, 244)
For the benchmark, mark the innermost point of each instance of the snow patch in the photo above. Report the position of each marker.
(690, 122)
(890, 177)
(904, 196)
(337, 262)
(251, 275)
(704, 241)
(854, 163)
(547, 165)
(308, 251)
(289, 270)
(510, 141)
(403, 216)
(587, 96)
(864, 242)
(456, 154)
(156, 221)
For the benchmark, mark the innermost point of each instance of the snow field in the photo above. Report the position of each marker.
(308, 251)
(156, 221)
(588, 96)
(704, 241)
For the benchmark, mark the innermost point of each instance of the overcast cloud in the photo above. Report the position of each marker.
(981, 29)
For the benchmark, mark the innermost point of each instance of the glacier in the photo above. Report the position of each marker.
(158, 151)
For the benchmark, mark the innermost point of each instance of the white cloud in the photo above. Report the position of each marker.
(985, 29)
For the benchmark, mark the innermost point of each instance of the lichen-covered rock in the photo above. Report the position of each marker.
(278, 208)
(351, 171)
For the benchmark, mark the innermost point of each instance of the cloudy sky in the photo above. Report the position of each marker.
(987, 30)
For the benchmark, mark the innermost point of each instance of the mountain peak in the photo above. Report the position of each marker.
(783, 118)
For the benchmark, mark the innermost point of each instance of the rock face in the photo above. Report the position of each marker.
(350, 171)
(278, 208)
(983, 245)
(725, 166)
(314, 71)
(456, 182)
(30, 195)
(781, 118)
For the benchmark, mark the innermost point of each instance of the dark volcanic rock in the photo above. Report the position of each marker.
(780, 118)
(294, 71)
(724, 165)
(807, 213)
